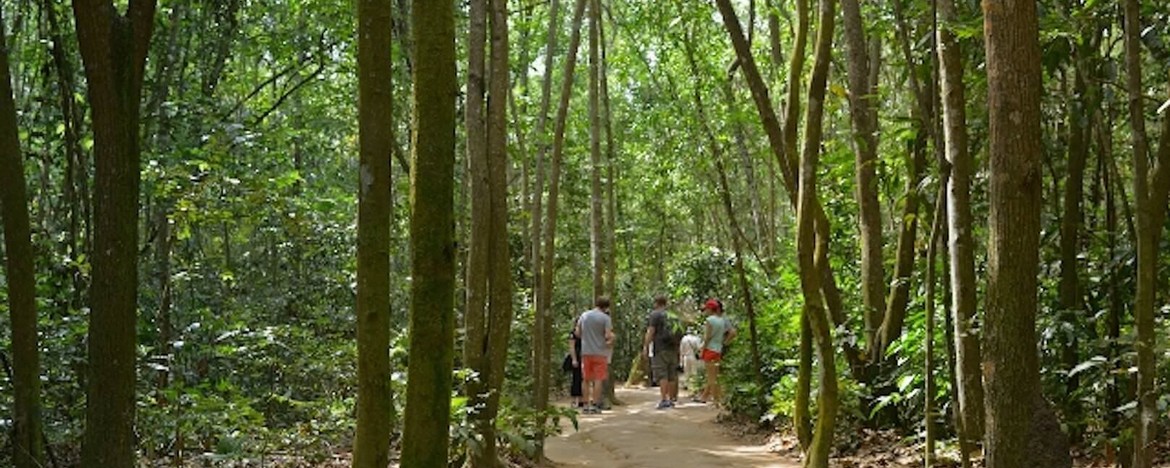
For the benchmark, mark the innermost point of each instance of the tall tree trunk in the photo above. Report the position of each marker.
(1150, 188)
(476, 277)
(164, 243)
(500, 288)
(1018, 423)
(611, 172)
(1070, 226)
(28, 445)
(596, 215)
(864, 119)
(547, 257)
(432, 295)
(113, 49)
(375, 209)
(540, 323)
(959, 226)
(1116, 306)
(827, 402)
(929, 387)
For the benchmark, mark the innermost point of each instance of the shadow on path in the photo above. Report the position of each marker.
(638, 436)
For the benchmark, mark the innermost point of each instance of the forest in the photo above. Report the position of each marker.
(358, 233)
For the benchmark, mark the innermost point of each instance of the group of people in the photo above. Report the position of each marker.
(666, 344)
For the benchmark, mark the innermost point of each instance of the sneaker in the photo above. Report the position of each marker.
(664, 404)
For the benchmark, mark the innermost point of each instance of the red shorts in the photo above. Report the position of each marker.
(594, 367)
(711, 356)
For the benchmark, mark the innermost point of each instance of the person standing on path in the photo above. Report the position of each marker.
(689, 351)
(717, 332)
(596, 331)
(575, 391)
(664, 363)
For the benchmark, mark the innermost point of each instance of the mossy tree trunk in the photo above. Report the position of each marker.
(113, 48)
(432, 322)
(1150, 187)
(375, 139)
(542, 359)
(28, 446)
(809, 251)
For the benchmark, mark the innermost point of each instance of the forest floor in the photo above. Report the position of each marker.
(636, 435)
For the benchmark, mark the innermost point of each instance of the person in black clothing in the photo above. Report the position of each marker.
(575, 391)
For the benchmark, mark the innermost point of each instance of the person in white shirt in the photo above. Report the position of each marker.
(689, 349)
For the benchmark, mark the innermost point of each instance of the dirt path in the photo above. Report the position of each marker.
(638, 436)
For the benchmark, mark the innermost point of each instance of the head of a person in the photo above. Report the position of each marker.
(660, 301)
(602, 304)
(713, 306)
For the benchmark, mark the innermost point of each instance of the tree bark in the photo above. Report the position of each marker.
(814, 308)
(864, 120)
(432, 322)
(375, 209)
(113, 50)
(1016, 419)
(929, 387)
(547, 257)
(1070, 226)
(540, 341)
(611, 173)
(596, 214)
(959, 225)
(1150, 188)
(28, 445)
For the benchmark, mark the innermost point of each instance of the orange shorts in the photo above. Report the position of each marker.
(711, 356)
(594, 367)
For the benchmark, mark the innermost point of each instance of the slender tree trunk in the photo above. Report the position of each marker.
(1017, 423)
(821, 326)
(1070, 226)
(548, 259)
(929, 386)
(541, 321)
(1150, 191)
(498, 323)
(611, 172)
(1116, 306)
(476, 277)
(596, 215)
(164, 243)
(113, 49)
(959, 224)
(864, 119)
(375, 209)
(432, 322)
(28, 445)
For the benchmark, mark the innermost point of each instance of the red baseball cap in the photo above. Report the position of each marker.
(713, 304)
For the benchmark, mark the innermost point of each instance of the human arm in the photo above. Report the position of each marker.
(573, 349)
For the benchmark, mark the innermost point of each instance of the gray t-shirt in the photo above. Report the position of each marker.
(594, 325)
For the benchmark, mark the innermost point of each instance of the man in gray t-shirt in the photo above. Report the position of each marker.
(664, 364)
(596, 331)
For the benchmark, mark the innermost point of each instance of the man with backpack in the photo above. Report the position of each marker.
(665, 330)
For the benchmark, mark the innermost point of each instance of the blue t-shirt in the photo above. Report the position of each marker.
(719, 327)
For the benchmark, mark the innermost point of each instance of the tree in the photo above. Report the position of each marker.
(375, 108)
(113, 49)
(814, 307)
(1150, 188)
(548, 256)
(596, 213)
(542, 321)
(432, 331)
(959, 225)
(1018, 421)
(864, 119)
(28, 443)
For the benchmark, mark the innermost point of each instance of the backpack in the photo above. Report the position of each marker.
(675, 330)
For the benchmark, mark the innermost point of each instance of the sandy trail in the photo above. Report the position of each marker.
(638, 436)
